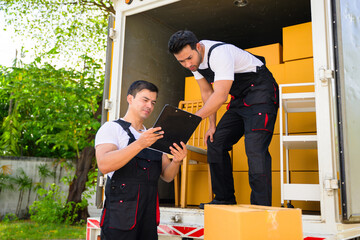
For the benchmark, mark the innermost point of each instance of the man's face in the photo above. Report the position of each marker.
(143, 103)
(190, 58)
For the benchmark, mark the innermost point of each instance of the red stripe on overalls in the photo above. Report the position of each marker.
(157, 210)
(228, 106)
(102, 218)
(137, 207)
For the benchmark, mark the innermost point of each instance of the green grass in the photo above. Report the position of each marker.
(31, 230)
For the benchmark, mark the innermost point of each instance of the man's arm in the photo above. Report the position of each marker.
(206, 90)
(214, 101)
(171, 168)
(109, 158)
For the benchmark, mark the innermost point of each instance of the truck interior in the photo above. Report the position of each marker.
(244, 23)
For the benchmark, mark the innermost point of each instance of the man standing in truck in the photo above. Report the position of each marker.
(222, 69)
(131, 210)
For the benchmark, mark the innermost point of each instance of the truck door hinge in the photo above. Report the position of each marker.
(330, 185)
(101, 181)
(108, 104)
(112, 33)
(325, 75)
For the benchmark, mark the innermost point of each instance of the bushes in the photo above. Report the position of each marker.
(51, 207)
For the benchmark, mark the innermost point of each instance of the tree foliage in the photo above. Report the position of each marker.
(51, 112)
(50, 107)
(70, 28)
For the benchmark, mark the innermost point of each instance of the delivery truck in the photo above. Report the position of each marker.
(312, 47)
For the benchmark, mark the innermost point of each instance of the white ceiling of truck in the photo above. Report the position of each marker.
(259, 23)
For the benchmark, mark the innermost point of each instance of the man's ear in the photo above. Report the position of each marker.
(198, 46)
(129, 98)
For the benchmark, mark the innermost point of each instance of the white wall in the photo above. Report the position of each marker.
(9, 198)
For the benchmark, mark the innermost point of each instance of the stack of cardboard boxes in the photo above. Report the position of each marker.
(290, 63)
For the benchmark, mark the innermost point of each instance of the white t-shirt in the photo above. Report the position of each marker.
(112, 132)
(227, 59)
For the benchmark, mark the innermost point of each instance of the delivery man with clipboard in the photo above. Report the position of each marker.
(131, 210)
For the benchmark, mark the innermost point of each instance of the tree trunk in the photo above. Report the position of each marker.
(28, 200)
(77, 186)
(18, 207)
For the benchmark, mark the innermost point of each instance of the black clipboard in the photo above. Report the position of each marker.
(178, 126)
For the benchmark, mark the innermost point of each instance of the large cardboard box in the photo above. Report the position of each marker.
(250, 222)
(297, 42)
(272, 53)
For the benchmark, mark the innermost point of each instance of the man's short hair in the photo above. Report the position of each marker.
(139, 85)
(180, 39)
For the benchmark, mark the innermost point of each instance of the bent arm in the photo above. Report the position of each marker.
(214, 101)
(171, 168)
(109, 158)
(206, 91)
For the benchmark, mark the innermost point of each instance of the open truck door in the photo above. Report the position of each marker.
(346, 15)
(100, 184)
(139, 50)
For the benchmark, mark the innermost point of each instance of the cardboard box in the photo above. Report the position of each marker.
(273, 53)
(278, 72)
(242, 187)
(305, 178)
(192, 89)
(243, 190)
(240, 162)
(197, 185)
(299, 71)
(276, 189)
(244, 222)
(297, 42)
(303, 160)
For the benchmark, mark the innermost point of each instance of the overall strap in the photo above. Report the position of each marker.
(210, 50)
(126, 126)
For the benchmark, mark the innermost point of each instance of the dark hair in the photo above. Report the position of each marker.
(180, 39)
(139, 85)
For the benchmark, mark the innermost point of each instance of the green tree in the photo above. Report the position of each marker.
(58, 115)
(55, 111)
(70, 28)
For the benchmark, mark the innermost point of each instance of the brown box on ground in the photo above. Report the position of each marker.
(240, 222)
